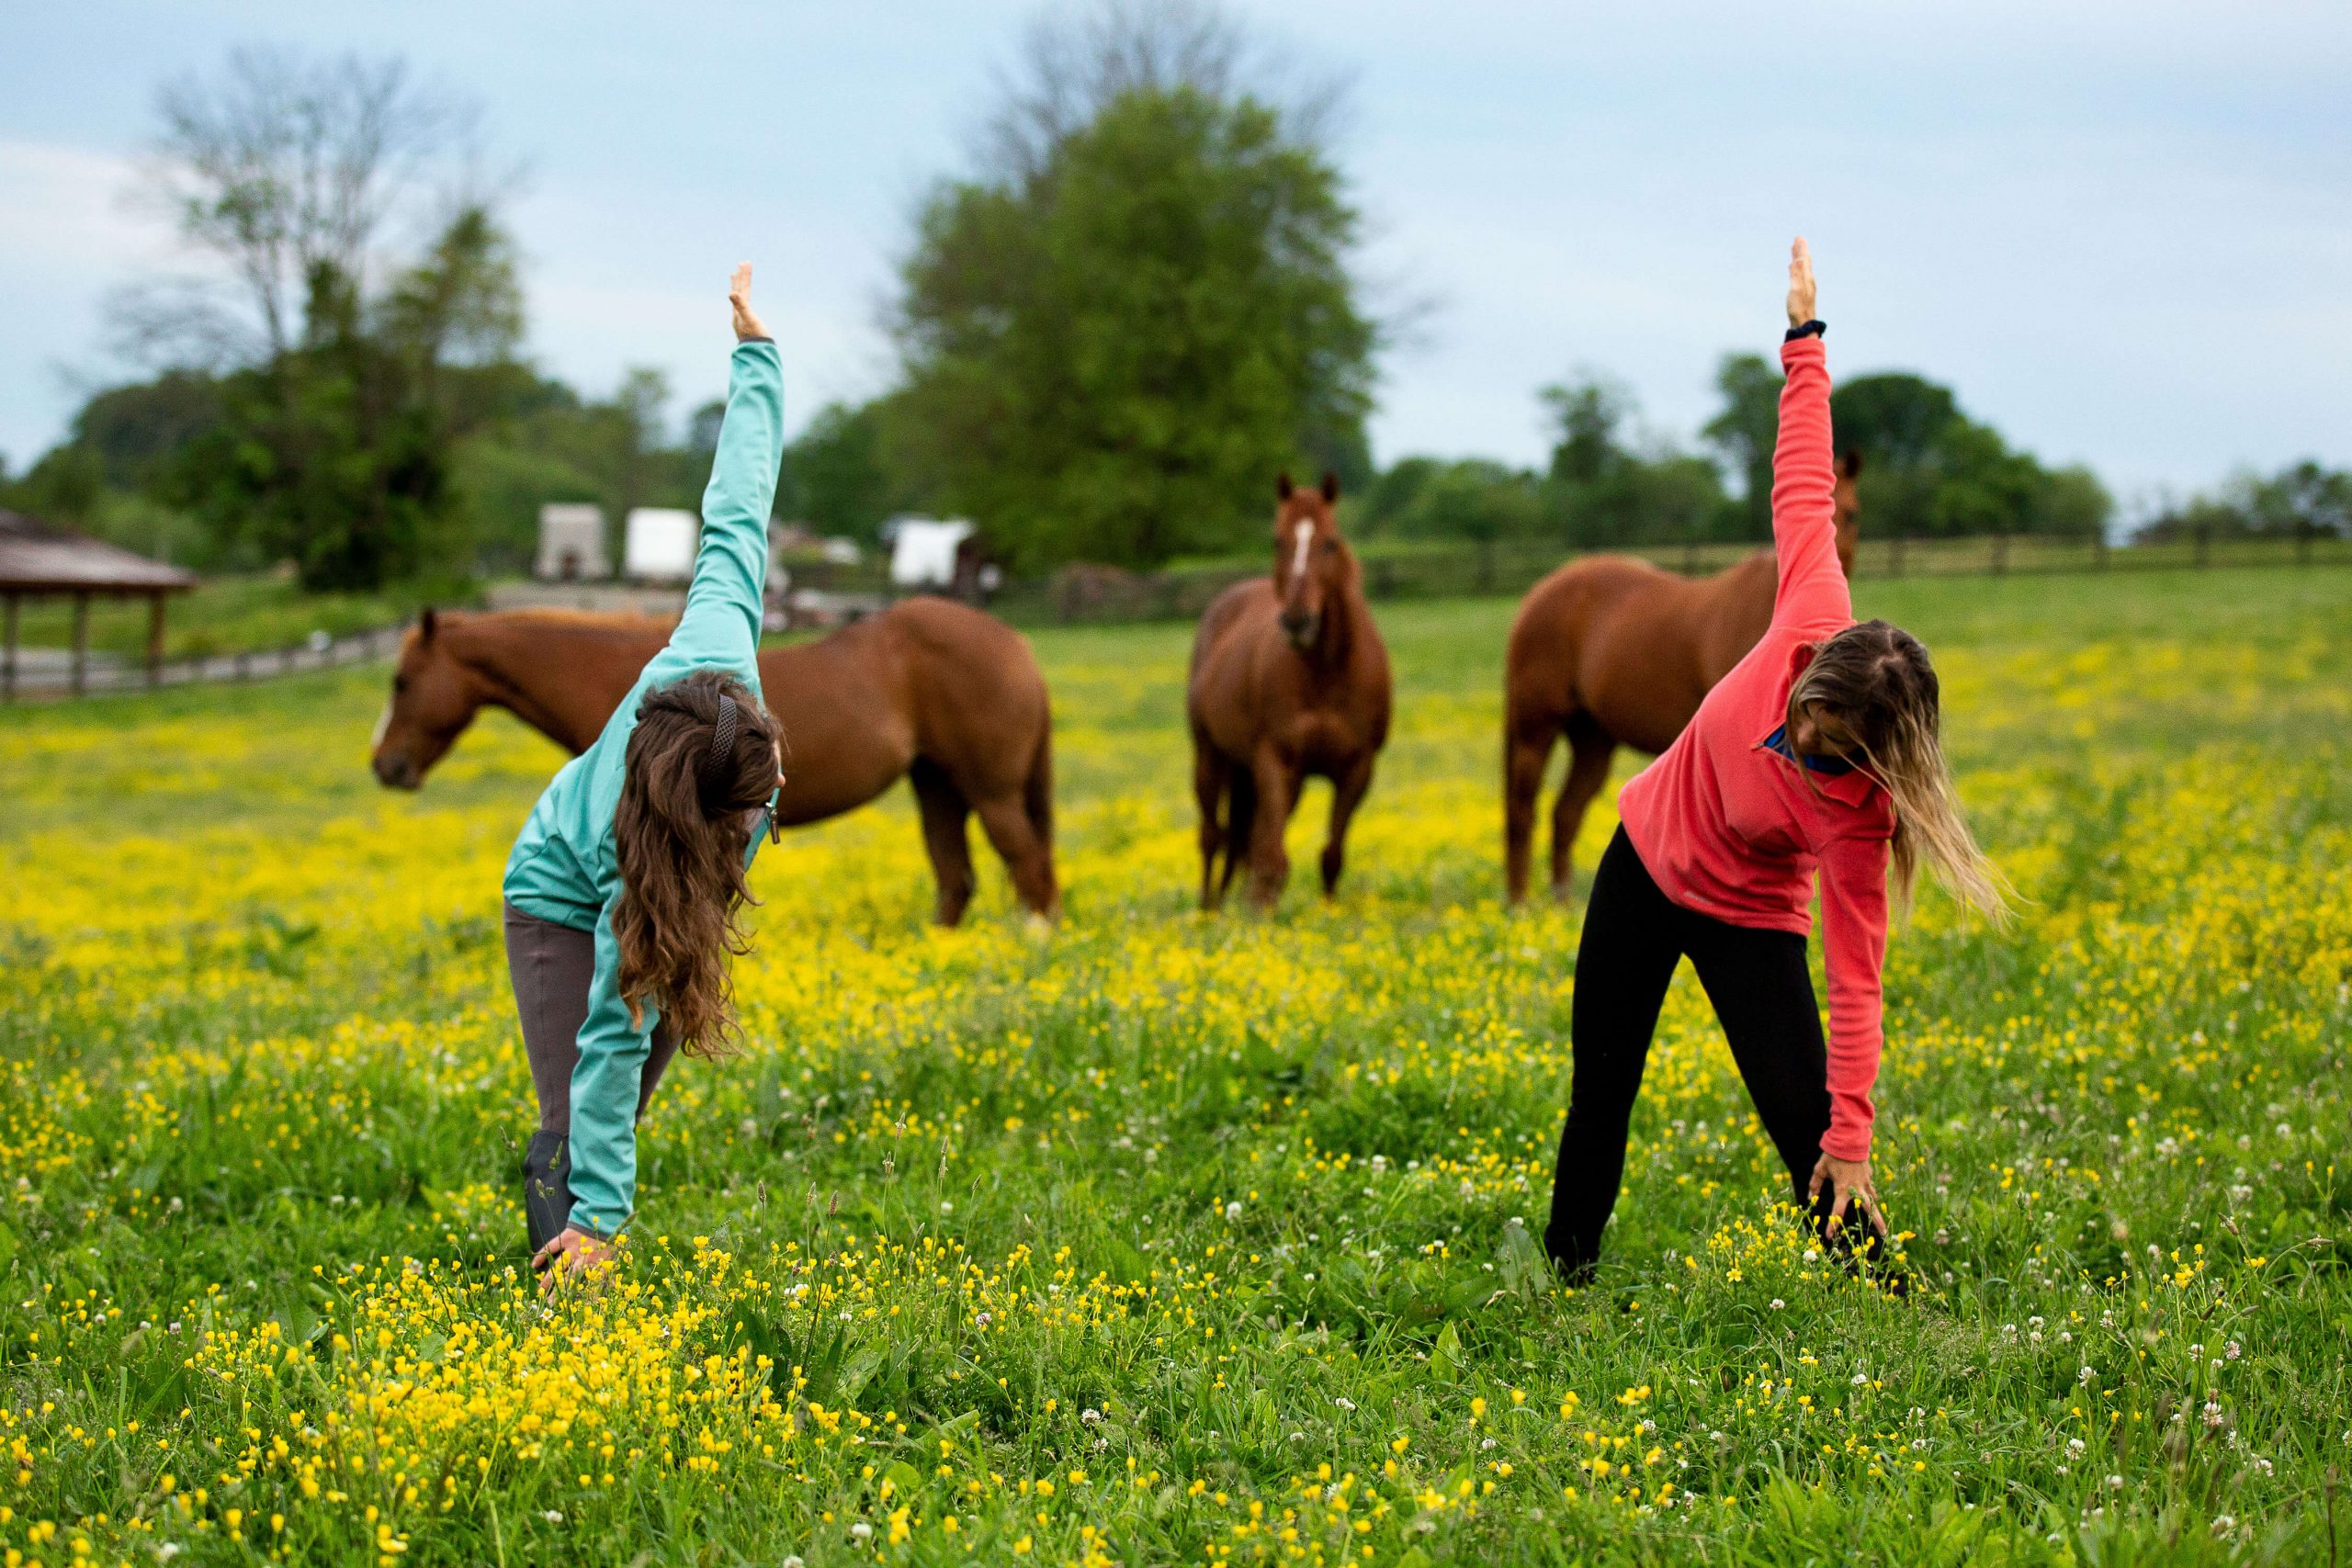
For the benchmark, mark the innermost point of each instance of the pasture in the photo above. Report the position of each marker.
(1163, 1238)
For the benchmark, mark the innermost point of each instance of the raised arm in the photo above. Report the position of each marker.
(1812, 597)
(725, 600)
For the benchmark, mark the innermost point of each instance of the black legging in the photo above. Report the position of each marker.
(1634, 936)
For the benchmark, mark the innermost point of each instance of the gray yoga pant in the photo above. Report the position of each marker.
(552, 967)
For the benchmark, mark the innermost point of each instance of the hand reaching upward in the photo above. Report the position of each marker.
(1801, 299)
(739, 295)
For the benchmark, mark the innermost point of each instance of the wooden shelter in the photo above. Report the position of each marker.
(38, 560)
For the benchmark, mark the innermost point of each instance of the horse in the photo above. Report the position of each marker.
(1608, 650)
(1288, 680)
(929, 689)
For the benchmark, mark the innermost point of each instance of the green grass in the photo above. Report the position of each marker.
(1171, 1213)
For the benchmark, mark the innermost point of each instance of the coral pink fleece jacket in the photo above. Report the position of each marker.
(1731, 829)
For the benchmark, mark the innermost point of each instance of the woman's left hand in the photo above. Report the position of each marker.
(1849, 1181)
(1801, 290)
(739, 300)
(575, 1252)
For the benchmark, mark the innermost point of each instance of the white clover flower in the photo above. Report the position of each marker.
(1778, 1304)
(1345, 1403)
(1233, 1211)
(861, 1532)
(2087, 1375)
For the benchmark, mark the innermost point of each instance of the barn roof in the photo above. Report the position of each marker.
(38, 558)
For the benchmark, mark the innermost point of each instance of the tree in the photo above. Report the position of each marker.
(1476, 501)
(334, 446)
(838, 472)
(1138, 312)
(1588, 412)
(1744, 433)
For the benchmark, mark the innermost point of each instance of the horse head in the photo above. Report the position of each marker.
(435, 696)
(1312, 564)
(1848, 493)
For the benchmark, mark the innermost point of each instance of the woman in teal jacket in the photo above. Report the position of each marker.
(624, 889)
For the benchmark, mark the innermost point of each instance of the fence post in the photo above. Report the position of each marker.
(2098, 550)
(154, 639)
(2303, 541)
(2000, 554)
(81, 643)
(11, 610)
(1895, 568)
(2203, 556)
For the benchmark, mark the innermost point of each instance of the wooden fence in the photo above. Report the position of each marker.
(1102, 594)
(52, 677)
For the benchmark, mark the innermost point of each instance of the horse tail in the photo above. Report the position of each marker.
(1037, 789)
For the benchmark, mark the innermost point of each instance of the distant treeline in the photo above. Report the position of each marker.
(1139, 301)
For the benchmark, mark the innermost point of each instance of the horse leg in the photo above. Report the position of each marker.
(1240, 822)
(1005, 819)
(1348, 791)
(1589, 750)
(1208, 792)
(944, 810)
(1277, 788)
(1527, 750)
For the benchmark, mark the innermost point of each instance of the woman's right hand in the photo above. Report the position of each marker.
(574, 1253)
(1801, 299)
(748, 324)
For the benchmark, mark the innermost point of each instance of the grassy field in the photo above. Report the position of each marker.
(1163, 1238)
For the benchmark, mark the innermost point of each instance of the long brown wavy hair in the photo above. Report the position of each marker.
(680, 835)
(1873, 683)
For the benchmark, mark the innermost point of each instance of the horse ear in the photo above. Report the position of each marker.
(1282, 485)
(1851, 465)
(424, 624)
(1331, 485)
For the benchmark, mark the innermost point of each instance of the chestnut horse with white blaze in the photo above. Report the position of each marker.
(1289, 681)
(929, 689)
(1611, 651)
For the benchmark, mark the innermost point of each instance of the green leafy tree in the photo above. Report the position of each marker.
(1588, 413)
(838, 471)
(1476, 501)
(1743, 434)
(1115, 337)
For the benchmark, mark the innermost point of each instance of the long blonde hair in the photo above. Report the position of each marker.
(1875, 681)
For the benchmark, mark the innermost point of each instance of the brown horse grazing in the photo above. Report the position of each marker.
(1609, 649)
(929, 689)
(1289, 679)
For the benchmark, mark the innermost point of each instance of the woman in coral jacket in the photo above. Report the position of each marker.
(1817, 757)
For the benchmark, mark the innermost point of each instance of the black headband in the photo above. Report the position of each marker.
(722, 744)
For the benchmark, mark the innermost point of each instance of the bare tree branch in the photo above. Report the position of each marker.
(279, 166)
(1077, 58)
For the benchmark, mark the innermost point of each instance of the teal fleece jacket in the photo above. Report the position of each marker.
(564, 868)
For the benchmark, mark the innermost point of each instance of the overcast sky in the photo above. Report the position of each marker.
(2123, 232)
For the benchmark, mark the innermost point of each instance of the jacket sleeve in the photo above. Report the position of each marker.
(1853, 940)
(1812, 597)
(724, 601)
(603, 1163)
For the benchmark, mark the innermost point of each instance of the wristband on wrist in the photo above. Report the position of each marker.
(1814, 328)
